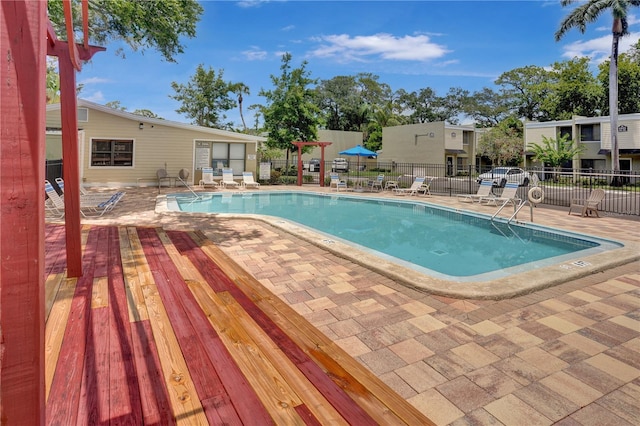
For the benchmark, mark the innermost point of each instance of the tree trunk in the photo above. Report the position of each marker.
(613, 105)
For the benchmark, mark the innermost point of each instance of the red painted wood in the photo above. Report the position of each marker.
(64, 396)
(55, 260)
(156, 408)
(70, 165)
(22, 154)
(229, 381)
(93, 403)
(124, 393)
(93, 406)
(306, 415)
(340, 400)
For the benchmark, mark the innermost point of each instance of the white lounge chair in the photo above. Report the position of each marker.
(338, 183)
(89, 207)
(227, 179)
(84, 195)
(586, 206)
(377, 183)
(412, 190)
(509, 195)
(483, 191)
(207, 178)
(248, 181)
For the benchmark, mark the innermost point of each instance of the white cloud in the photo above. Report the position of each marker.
(288, 28)
(599, 49)
(94, 80)
(382, 45)
(97, 97)
(255, 54)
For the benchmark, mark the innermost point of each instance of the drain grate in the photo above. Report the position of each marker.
(439, 252)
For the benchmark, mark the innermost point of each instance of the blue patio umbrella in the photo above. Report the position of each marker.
(359, 151)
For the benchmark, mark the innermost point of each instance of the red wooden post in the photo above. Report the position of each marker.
(22, 154)
(69, 121)
(69, 55)
(322, 146)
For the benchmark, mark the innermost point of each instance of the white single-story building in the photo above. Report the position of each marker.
(118, 148)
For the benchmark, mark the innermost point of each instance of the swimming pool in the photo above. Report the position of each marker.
(443, 243)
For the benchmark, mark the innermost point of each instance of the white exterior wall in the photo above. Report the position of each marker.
(155, 145)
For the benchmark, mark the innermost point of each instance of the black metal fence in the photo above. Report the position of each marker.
(53, 170)
(560, 186)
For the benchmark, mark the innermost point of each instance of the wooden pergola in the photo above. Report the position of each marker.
(322, 146)
(27, 37)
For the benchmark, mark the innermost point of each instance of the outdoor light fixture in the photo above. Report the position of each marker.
(141, 126)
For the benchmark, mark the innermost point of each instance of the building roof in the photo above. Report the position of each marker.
(161, 122)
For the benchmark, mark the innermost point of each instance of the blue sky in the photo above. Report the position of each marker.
(408, 44)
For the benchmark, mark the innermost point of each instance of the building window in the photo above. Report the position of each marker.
(590, 133)
(228, 155)
(565, 131)
(112, 153)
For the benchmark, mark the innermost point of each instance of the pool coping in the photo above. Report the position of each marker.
(516, 284)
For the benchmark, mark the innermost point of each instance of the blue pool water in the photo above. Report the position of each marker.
(443, 241)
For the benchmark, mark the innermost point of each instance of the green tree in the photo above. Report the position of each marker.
(205, 98)
(115, 105)
(525, 90)
(142, 25)
(487, 107)
(503, 144)
(426, 106)
(628, 81)
(576, 91)
(147, 113)
(590, 11)
(555, 152)
(241, 89)
(291, 113)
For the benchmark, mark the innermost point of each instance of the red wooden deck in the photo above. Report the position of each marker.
(164, 328)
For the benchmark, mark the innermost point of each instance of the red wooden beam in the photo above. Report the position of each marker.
(322, 146)
(70, 149)
(22, 155)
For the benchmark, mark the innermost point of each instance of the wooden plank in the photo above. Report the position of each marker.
(382, 403)
(184, 400)
(124, 394)
(191, 327)
(51, 287)
(93, 406)
(136, 273)
(70, 367)
(270, 386)
(313, 399)
(330, 390)
(100, 292)
(55, 329)
(55, 253)
(154, 398)
(182, 391)
(236, 387)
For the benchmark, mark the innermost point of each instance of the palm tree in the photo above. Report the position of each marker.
(590, 11)
(240, 89)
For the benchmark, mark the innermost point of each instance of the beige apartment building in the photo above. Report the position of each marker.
(593, 133)
(436, 143)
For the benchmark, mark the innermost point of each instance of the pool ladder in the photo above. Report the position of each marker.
(516, 208)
